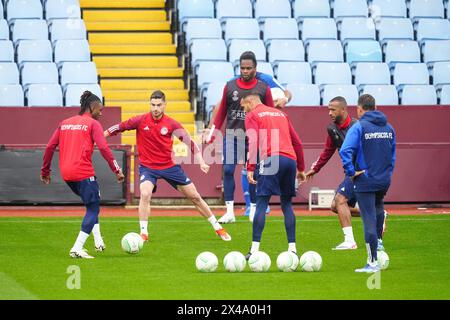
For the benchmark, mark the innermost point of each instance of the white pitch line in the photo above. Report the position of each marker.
(198, 221)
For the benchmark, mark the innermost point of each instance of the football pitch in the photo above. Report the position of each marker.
(34, 261)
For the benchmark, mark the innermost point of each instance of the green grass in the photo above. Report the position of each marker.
(34, 261)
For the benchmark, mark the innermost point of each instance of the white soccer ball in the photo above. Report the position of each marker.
(287, 261)
(310, 261)
(382, 260)
(206, 262)
(234, 261)
(259, 261)
(132, 242)
(277, 94)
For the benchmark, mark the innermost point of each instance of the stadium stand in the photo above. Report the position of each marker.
(384, 94)
(44, 95)
(11, 95)
(226, 9)
(39, 72)
(6, 51)
(418, 95)
(294, 72)
(307, 94)
(202, 29)
(348, 91)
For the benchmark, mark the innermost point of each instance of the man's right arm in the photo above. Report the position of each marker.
(130, 124)
(324, 157)
(218, 119)
(48, 155)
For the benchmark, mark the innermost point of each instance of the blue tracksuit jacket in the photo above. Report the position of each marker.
(370, 145)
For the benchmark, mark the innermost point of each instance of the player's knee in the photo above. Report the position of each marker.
(228, 170)
(334, 206)
(195, 197)
(146, 194)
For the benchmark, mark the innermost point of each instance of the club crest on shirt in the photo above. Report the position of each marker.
(164, 131)
(235, 96)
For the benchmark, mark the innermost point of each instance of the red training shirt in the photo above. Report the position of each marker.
(260, 125)
(76, 137)
(154, 139)
(329, 149)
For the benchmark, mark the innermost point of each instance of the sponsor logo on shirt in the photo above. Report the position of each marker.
(146, 128)
(270, 114)
(235, 96)
(378, 135)
(237, 114)
(164, 131)
(74, 127)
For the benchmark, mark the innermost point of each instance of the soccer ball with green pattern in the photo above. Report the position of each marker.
(132, 243)
(310, 261)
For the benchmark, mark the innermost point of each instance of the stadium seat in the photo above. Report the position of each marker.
(34, 50)
(349, 8)
(62, 9)
(433, 29)
(238, 46)
(325, 51)
(1, 10)
(209, 71)
(348, 91)
(357, 29)
(436, 50)
(332, 73)
(73, 93)
(426, 9)
(410, 73)
(29, 30)
(418, 95)
(39, 72)
(11, 95)
(203, 29)
(395, 29)
(441, 74)
(387, 9)
(72, 50)
(213, 96)
(401, 51)
(372, 73)
(363, 51)
(385, 95)
(6, 51)
(77, 73)
(9, 73)
(272, 9)
(294, 72)
(280, 28)
(226, 9)
(319, 28)
(67, 29)
(4, 30)
(264, 67)
(311, 9)
(188, 9)
(207, 50)
(23, 9)
(241, 29)
(286, 50)
(44, 95)
(445, 95)
(304, 94)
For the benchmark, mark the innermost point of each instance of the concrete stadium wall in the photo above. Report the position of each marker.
(35, 125)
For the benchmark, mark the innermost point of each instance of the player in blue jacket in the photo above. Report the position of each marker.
(368, 157)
